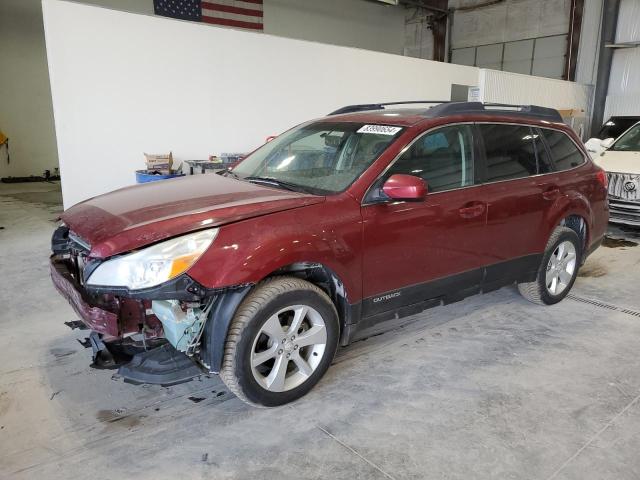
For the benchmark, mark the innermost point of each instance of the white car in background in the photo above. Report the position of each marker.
(610, 130)
(621, 160)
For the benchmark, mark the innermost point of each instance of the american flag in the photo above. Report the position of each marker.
(229, 13)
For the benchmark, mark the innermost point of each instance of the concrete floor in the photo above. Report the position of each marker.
(492, 387)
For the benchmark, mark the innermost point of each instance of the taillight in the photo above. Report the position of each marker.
(601, 175)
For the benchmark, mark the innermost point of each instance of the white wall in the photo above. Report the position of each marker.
(26, 115)
(25, 100)
(124, 84)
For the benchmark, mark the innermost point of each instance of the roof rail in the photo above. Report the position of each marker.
(379, 106)
(447, 107)
(529, 111)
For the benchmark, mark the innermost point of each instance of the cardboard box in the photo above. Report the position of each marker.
(159, 161)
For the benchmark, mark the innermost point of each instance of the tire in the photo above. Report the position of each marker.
(538, 291)
(275, 303)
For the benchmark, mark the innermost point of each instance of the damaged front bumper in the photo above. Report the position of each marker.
(160, 330)
(125, 331)
(101, 318)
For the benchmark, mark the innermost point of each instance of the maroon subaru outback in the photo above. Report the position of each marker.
(366, 215)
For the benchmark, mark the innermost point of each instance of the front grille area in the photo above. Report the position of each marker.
(621, 211)
(625, 186)
(624, 198)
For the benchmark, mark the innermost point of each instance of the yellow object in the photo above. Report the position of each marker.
(3, 138)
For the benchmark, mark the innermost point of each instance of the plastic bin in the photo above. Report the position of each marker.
(143, 177)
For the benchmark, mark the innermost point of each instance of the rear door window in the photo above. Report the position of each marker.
(510, 151)
(564, 153)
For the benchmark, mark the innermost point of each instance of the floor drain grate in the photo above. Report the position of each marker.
(604, 305)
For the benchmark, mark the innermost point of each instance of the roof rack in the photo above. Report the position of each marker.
(529, 111)
(380, 106)
(448, 107)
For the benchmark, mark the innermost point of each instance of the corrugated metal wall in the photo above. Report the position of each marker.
(514, 88)
(623, 97)
(507, 87)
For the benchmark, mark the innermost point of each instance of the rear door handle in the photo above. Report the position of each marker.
(551, 194)
(472, 211)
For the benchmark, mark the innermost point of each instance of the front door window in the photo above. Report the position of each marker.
(443, 158)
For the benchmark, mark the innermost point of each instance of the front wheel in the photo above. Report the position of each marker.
(281, 341)
(558, 269)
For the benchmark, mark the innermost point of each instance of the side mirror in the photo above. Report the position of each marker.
(405, 187)
(607, 142)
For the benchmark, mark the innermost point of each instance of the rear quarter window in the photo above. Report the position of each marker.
(564, 153)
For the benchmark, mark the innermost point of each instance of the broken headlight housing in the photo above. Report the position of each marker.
(153, 265)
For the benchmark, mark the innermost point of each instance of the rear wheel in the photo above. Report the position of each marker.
(280, 342)
(558, 269)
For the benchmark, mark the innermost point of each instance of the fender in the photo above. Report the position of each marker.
(215, 330)
(248, 251)
(227, 302)
(573, 203)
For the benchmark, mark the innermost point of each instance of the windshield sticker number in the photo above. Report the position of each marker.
(380, 129)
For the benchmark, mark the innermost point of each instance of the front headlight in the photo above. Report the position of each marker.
(153, 265)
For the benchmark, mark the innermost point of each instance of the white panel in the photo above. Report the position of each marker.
(123, 84)
(464, 56)
(628, 29)
(506, 87)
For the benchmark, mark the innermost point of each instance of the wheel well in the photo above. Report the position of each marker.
(328, 281)
(578, 225)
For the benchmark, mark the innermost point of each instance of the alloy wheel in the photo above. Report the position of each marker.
(561, 267)
(288, 348)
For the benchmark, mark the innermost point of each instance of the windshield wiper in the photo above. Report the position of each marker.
(226, 172)
(275, 182)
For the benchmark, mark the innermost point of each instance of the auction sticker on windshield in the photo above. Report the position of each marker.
(380, 129)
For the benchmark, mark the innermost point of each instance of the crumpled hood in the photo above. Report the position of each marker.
(132, 217)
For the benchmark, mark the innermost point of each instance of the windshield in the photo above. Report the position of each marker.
(630, 141)
(616, 126)
(320, 158)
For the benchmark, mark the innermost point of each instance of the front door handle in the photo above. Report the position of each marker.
(472, 211)
(551, 194)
